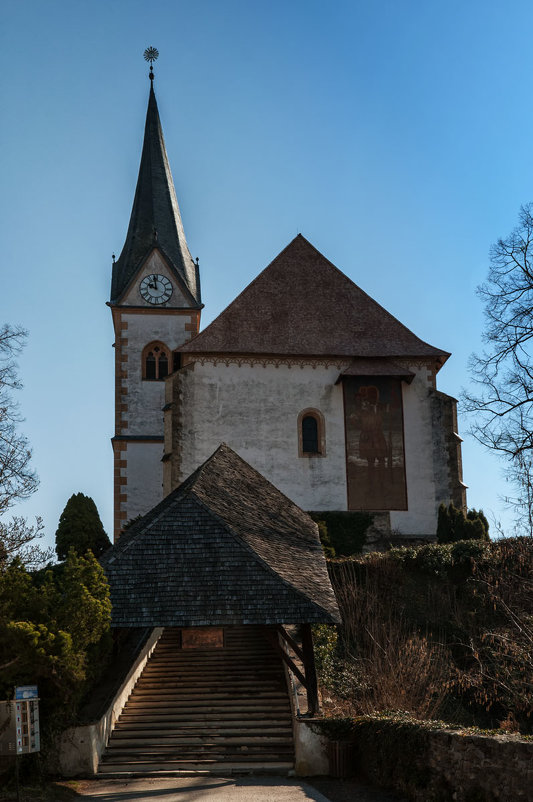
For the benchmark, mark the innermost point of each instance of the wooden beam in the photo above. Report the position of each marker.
(292, 643)
(273, 639)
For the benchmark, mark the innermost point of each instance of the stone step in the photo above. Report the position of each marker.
(116, 751)
(177, 683)
(182, 768)
(239, 666)
(211, 703)
(220, 692)
(207, 739)
(207, 724)
(164, 756)
(234, 665)
(207, 715)
(252, 647)
(206, 710)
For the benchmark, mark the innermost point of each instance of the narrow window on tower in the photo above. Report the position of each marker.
(155, 360)
(311, 434)
(150, 366)
(163, 366)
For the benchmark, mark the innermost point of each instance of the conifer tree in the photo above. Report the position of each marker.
(454, 525)
(80, 528)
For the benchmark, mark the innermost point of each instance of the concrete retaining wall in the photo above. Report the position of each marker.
(310, 750)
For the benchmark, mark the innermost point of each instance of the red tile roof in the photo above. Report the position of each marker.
(302, 305)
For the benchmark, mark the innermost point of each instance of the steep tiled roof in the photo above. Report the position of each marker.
(155, 217)
(226, 547)
(301, 304)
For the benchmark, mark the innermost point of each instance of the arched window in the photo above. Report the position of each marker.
(311, 434)
(155, 361)
(163, 365)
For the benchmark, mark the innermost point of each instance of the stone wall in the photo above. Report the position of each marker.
(447, 458)
(430, 765)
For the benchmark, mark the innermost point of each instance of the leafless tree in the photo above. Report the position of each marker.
(17, 477)
(18, 539)
(502, 401)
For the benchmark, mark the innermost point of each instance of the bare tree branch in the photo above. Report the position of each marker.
(17, 540)
(501, 404)
(17, 478)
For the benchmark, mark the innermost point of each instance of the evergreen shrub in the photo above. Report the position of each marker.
(80, 528)
(453, 525)
(342, 533)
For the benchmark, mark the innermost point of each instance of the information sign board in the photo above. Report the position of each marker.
(27, 726)
(26, 692)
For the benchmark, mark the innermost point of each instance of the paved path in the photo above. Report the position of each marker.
(219, 789)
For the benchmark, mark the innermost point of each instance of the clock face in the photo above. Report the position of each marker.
(155, 289)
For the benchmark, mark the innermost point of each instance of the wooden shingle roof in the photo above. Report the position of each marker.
(302, 305)
(225, 547)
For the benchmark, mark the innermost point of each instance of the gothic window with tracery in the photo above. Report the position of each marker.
(155, 362)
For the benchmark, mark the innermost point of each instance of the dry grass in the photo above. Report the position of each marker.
(387, 665)
(436, 632)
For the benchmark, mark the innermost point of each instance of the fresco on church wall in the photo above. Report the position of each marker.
(375, 462)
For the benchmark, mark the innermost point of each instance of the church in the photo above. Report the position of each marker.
(303, 375)
(303, 395)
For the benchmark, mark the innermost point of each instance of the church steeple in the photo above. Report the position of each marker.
(155, 303)
(155, 217)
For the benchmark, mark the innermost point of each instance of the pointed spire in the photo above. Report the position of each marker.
(155, 217)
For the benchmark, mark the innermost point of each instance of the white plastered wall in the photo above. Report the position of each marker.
(420, 517)
(144, 414)
(145, 478)
(254, 409)
(146, 398)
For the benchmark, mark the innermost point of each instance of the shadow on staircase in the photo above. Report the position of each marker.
(215, 710)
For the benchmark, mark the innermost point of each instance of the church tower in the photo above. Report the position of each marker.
(155, 303)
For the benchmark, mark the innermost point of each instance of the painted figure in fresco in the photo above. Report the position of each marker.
(375, 453)
(372, 442)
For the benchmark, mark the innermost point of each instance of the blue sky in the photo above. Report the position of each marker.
(395, 135)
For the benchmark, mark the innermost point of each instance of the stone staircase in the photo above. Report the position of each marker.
(205, 710)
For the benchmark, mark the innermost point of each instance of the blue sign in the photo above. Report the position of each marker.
(26, 692)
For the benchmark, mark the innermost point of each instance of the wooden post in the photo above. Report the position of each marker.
(313, 706)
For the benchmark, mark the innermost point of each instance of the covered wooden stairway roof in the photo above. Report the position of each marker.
(225, 548)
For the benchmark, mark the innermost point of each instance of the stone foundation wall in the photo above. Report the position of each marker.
(430, 765)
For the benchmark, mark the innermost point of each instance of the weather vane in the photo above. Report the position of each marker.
(151, 54)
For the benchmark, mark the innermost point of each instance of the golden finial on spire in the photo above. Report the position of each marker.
(151, 54)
